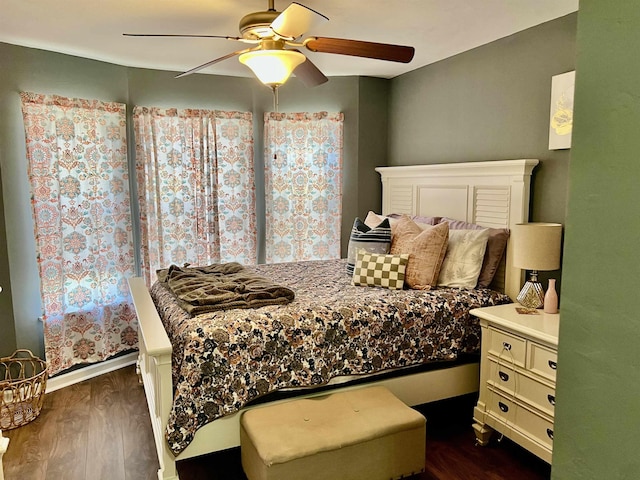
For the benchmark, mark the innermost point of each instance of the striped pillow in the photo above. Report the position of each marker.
(373, 270)
(374, 240)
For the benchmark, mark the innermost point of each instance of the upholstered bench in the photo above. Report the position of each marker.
(358, 434)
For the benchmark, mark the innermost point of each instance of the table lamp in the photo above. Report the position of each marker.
(536, 247)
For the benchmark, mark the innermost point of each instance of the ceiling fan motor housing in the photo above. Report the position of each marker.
(257, 25)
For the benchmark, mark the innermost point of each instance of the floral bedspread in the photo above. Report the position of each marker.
(223, 360)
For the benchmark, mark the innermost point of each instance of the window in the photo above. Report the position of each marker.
(303, 185)
(77, 166)
(196, 187)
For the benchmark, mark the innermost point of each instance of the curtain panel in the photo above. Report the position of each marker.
(196, 187)
(77, 167)
(303, 185)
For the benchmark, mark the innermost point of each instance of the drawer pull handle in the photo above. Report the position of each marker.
(550, 433)
(503, 407)
(506, 346)
(503, 376)
(552, 399)
(553, 365)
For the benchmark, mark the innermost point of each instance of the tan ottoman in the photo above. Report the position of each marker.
(363, 434)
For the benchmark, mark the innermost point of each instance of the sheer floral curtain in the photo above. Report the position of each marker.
(77, 166)
(196, 187)
(303, 185)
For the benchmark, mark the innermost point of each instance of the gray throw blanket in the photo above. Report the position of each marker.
(221, 287)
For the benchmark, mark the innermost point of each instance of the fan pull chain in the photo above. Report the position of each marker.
(275, 98)
(275, 108)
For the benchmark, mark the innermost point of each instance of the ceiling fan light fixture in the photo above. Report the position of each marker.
(272, 67)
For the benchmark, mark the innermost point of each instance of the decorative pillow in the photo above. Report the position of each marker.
(375, 240)
(426, 248)
(376, 270)
(374, 219)
(496, 245)
(421, 220)
(463, 260)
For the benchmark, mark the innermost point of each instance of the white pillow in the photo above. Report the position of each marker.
(463, 260)
(373, 220)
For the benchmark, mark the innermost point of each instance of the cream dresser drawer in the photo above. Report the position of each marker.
(507, 346)
(527, 389)
(514, 415)
(542, 361)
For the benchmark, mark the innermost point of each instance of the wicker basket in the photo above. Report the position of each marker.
(23, 380)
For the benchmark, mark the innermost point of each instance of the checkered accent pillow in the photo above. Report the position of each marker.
(378, 270)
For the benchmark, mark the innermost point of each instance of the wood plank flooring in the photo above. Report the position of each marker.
(100, 430)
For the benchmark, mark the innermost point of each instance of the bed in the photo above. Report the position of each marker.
(492, 194)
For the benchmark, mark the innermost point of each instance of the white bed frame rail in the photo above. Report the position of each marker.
(154, 369)
(492, 194)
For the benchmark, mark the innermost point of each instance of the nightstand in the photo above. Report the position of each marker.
(517, 377)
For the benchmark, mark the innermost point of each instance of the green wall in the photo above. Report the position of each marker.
(26, 69)
(598, 409)
(490, 103)
(372, 139)
(340, 94)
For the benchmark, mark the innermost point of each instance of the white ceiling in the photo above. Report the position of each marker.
(436, 28)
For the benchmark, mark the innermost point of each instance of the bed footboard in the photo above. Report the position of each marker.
(154, 368)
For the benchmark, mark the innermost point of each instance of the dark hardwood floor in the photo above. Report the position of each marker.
(100, 430)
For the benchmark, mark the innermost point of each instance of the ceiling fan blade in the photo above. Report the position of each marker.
(309, 74)
(212, 62)
(357, 48)
(179, 35)
(296, 20)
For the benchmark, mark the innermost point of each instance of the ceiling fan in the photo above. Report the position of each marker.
(277, 37)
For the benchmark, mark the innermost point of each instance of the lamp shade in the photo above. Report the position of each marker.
(536, 246)
(272, 67)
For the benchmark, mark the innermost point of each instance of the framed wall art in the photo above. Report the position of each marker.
(561, 116)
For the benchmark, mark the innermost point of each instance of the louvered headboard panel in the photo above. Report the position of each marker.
(492, 194)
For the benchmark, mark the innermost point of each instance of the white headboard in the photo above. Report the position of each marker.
(492, 194)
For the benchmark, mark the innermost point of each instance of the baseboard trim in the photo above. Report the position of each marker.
(91, 371)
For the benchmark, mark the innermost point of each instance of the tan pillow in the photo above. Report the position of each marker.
(426, 249)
